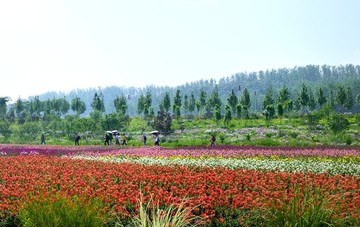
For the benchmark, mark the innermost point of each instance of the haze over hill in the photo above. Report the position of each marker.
(326, 77)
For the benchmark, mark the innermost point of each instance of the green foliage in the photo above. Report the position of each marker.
(312, 102)
(341, 95)
(177, 100)
(337, 123)
(19, 106)
(96, 115)
(326, 110)
(269, 112)
(186, 104)
(245, 99)
(3, 101)
(321, 99)
(28, 131)
(115, 121)
(293, 134)
(217, 114)
(342, 138)
(280, 109)
(120, 104)
(238, 111)
(284, 95)
(192, 103)
(98, 102)
(141, 104)
(62, 211)
(269, 98)
(64, 106)
(166, 101)
(176, 111)
(144, 105)
(148, 99)
(155, 216)
(9, 220)
(313, 119)
(306, 208)
(269, 142)
(74, 125)
(304, 95)
(227, 117)
(232, 101)
(5, 130)
(78, 106)
(162, 123)
(202, 99)
(222, 137)
(357, 119)
(349, 102)
(214, 99)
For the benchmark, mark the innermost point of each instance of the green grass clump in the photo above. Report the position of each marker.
(151, 215)
(309, 208)
(61, 211)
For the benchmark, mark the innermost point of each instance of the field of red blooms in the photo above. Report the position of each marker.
(28, 172)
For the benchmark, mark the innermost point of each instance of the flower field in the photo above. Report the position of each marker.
(222, 185)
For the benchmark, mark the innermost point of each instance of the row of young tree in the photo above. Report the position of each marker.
(327, 77)
(204, 105)
(26, 120)
(59, 115)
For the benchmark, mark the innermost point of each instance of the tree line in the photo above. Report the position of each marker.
(160, 105)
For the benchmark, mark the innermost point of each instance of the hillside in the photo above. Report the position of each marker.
(258, 83)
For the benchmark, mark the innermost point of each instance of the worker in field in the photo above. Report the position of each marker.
(107, 139)
(124, 138)
(212, 140)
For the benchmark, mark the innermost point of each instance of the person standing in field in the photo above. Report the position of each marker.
(77, 138)
(42, 139)
(117, 139)
(212, 140)
(156, 140)
(107, 139)
(144, 138)
(110, 138)
(124, 139)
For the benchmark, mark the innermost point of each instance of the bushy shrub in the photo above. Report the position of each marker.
(357, 119)
(293, 134)
(337, 123)
(281, 134)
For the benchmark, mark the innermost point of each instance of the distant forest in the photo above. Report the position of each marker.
(338, 85)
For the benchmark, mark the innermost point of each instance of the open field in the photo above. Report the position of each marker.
(221, 185)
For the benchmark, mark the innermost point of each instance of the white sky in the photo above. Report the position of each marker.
(64, 45)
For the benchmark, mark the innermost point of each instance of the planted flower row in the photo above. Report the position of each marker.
(223, 151)
(344, 166)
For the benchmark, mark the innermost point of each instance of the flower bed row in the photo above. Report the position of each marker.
(344, 166)
(223, 151)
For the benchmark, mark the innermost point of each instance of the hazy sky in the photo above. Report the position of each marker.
(63, 45)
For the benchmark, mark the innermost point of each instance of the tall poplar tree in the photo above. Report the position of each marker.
(78, 106)
(232, 101)
(98, 102)
(321, 99)
(120, 104)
